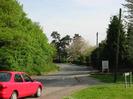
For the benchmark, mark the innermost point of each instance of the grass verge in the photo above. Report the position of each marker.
(112, 91)
(51, 68)
(108, 78)
(108, 90)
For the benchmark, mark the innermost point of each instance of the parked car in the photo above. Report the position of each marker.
(14, 85)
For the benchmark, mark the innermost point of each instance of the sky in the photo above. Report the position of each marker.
(85, 17)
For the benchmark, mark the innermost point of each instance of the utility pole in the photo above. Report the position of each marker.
(117, 49)
(97, 45)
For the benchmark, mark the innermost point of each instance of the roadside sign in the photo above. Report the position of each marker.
(127, 74)
(128, 79)
(105, 65)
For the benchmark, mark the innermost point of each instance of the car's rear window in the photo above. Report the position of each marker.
(5, 76)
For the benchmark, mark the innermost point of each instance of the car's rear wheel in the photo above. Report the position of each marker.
(38, 92)
(14, 95)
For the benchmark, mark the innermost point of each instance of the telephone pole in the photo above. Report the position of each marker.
(117, 49)
(97, 45)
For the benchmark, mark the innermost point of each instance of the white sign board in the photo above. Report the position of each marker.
(105, 65)
(127, 74)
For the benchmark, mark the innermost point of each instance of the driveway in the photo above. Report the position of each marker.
(70, 78)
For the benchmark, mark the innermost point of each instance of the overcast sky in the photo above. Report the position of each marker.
(85, 17)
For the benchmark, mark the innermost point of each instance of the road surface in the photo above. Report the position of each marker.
(70, 78)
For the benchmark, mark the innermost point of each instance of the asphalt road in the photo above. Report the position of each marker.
(70, 78)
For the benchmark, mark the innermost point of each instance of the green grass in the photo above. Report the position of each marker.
(47, 68)
(51, 68)
(108, 78)
(112, 91)
(108, 90)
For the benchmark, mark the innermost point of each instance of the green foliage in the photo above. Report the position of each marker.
(61, 45)
(98, 54)
(112, 35)
(107, 48)
(130, 45)
(23, 45)
(129, 6)
(74, 50)
(78, 50)
(88, 55)
(129, 41)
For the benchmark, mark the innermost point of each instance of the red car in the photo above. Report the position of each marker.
(14, 85)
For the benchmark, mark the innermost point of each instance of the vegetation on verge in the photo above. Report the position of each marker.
(112, 91)
(23, 45)
(108, 78)
(108, 90)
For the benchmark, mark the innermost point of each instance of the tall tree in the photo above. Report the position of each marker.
(65, 42)
(129, 46)
(112, 35)
(56, 42)
(23, 45)
(77, 48)
(129, 6)
(61, 45)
